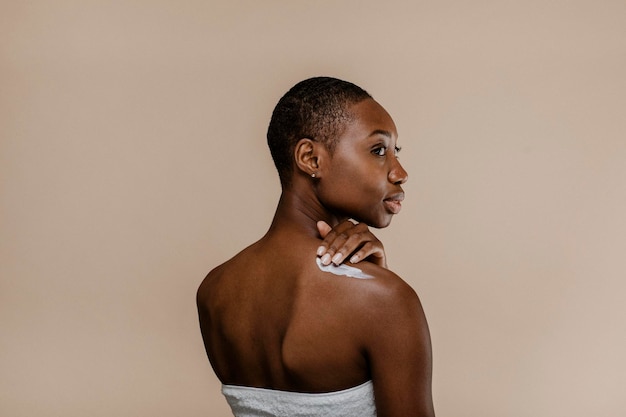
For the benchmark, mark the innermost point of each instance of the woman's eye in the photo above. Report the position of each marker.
(382, 151)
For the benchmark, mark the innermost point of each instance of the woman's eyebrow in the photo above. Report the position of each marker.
(381, 132)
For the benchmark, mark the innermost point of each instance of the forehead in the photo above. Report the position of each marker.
(367, 118)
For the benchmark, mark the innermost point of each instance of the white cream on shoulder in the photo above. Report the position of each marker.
(342, 269)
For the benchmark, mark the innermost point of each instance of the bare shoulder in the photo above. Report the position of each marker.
(383, 302)
(208, 283)
(217, 279)
(386, 292)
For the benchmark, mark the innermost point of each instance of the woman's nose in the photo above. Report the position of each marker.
(397, 174)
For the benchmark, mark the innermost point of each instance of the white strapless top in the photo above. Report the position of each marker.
(261, 402)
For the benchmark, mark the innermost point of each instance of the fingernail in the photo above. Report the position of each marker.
(326, 259)
(321, 250)
(354, 259)
(336, 258)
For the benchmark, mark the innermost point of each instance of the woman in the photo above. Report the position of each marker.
(291, 333)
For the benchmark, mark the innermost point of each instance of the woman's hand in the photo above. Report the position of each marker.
(349, 239)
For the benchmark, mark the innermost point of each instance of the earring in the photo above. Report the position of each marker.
(313, 175)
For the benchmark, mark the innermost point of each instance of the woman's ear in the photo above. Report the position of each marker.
(308, 154)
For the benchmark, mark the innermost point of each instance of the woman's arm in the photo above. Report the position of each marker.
(399, 353)
(397, 338)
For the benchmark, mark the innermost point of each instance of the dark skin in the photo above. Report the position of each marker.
(349, 239)
(270, 318)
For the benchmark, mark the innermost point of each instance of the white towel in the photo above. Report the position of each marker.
(261, 402)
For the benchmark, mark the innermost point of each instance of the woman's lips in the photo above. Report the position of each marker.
(394, 203)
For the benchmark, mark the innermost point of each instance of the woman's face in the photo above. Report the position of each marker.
(363, 178)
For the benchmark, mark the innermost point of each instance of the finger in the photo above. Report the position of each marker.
(324, 228)
(328, 236)
(334, 253)
(332, 239)
(350, 245)
(372, 252)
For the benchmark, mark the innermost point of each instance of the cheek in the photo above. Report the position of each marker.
(348, 178)
(352, 188)
(353, 170)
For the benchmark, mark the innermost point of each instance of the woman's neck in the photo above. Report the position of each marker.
(299, 212)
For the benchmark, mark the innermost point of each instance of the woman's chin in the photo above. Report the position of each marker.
(379, 223)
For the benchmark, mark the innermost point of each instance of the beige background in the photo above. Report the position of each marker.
(133, 159)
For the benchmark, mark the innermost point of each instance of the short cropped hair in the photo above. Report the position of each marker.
(317, 109)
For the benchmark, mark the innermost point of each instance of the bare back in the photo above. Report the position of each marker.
(271, 318)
